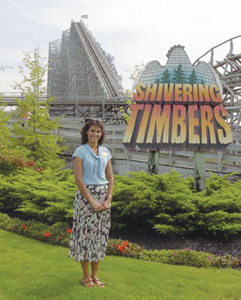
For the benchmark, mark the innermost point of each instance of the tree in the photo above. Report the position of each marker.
(166, 76)
(11, 156)
(4, 136)
(4, 67)
(193, 77)
(34, 129)
(136, 71)
(179, 75)
(157, 80)
(125, 111)
(4, 130)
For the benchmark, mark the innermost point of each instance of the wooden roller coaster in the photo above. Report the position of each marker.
(228, 70)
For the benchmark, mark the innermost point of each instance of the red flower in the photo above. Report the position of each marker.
(25, 227)
(125, 243)
(121, 248)
(47, 234)
(69, 230)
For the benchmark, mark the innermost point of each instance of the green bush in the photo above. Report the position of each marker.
(185, 257)
(166, 204)
(163, 202)
(46, 196)
(225, 261)
(123, 248)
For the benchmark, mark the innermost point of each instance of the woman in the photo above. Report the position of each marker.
(91, 221)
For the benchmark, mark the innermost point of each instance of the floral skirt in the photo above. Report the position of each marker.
(91, 229)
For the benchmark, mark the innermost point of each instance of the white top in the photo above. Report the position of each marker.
(93, 165)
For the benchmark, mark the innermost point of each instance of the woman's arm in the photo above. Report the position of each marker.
(78, 168)
(110, 178)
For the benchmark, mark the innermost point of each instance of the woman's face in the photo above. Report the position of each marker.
(94, 134)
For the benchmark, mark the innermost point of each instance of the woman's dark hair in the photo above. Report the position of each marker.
(86, 127)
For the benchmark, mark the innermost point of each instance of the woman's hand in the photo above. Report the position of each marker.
(96, 206)
(106, 204)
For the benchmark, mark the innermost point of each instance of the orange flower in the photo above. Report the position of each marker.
(47, 234)
(125, 243)
(69, 230)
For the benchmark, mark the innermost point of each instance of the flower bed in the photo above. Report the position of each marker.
(59, 234)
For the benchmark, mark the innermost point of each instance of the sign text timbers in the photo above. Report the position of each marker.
(177, 116)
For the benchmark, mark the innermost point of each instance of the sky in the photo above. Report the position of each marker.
(132, 31)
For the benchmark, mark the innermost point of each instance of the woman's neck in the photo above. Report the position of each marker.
(93, 145)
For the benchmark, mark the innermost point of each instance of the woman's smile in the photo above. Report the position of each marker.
(94, 133)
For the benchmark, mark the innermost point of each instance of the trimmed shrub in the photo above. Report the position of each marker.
(46, 196)
(165, 204)
(185, 257)
(168, 204)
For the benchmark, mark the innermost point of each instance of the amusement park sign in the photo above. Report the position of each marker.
(185, 114)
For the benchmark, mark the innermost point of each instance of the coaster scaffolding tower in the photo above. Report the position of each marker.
(82, 77)
(229, 71)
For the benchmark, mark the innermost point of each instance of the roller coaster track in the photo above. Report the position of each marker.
(96, 56)
(229, 71)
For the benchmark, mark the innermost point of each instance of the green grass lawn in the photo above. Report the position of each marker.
(33, 270)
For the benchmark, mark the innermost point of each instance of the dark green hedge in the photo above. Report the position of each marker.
(166, 204)
(47, 196)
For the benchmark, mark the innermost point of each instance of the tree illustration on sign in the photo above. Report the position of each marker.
(193, 77)
(166, 76)
(179, 75)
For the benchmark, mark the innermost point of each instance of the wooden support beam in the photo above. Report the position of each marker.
(199, 171)
(153, 162)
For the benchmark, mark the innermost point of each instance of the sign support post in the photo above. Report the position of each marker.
(199, 171)
(153, 162)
